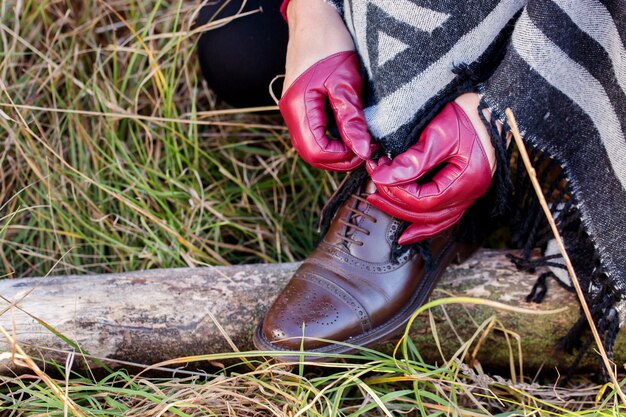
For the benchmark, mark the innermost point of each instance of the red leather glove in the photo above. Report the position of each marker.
(335, 80)
(434, 182)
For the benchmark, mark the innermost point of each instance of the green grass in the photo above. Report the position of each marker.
(114, 156)
(367, 384)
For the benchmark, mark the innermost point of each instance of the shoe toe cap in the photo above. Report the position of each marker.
(306, 308)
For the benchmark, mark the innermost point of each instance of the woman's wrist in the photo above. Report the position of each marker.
(316, 31)
(319, 17)
(306, 9)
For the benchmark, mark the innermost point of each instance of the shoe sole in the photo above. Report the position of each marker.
(453, 251)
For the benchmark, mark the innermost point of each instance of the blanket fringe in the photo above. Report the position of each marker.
(530, 230)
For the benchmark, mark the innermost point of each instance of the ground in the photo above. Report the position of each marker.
(115, 156)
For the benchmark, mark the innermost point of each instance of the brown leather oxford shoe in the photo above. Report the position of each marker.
(351, 289)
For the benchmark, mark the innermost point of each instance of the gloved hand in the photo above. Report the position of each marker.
(434, 182)
(322, 70)
(335, 80)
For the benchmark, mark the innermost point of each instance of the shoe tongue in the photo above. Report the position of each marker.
(362, 206)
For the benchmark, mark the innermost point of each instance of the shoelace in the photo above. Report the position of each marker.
(351, 224)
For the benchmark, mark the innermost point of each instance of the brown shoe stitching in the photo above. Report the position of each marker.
(348, 299)
(347, 258)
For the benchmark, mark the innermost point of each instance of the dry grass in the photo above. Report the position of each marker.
(115, 155)
(367, 384)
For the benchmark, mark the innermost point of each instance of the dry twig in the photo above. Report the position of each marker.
(570, 269)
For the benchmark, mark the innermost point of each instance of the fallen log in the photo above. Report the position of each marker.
(151, 316)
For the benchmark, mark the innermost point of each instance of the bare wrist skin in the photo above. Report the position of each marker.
(316, 31)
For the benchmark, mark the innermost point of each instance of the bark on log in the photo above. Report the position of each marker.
(151, 316)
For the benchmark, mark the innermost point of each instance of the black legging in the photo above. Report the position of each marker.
(240, 59)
